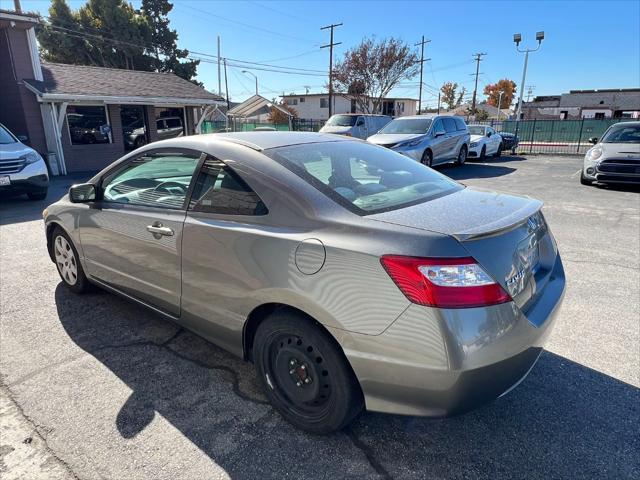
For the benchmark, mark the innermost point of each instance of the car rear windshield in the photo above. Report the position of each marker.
(623, 134)
(362, 177)
(407, 125)
(342, 121)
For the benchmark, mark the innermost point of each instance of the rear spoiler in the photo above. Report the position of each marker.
(502, 225)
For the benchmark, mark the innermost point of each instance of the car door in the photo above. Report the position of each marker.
(451, 138)
(225, 229)
(174, 126)
(494, 140)
(131, 236)
(438, 141)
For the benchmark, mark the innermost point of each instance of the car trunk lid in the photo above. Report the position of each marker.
(506, 234)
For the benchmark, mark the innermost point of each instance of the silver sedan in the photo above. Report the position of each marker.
(351, 276)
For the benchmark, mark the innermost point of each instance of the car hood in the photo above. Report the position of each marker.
(476, 138)
(467, 213)
(335, 129)
(13, 150)
(390, 138)
(620, 149)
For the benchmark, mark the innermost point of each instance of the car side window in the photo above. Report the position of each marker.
(160, 125)
(449, 125)
(460, 124)
(218, 189)
(155, 179)
(437, 125)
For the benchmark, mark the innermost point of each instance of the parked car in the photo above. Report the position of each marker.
(510, 141)
(355, 125)
(167, 127)
(484, 141)
(135, 134)
(427, 139)
(86, 129)
(615, 158)
(350, 275)
(22, 169)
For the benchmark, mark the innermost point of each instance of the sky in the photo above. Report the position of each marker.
(588, 44)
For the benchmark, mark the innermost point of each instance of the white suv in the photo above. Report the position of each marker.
(22, 169)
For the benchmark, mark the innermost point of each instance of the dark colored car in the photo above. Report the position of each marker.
(509, 141)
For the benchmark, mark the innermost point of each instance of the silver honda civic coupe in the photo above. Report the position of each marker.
(351, 276)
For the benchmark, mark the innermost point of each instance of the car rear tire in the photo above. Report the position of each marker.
(427, 158)
(305, 374)
(483, 153)
(37, 195)
(462, 156)
(68, 262)
(499, 151)
(584, 180)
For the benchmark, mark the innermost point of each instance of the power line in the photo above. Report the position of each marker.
(330, 45)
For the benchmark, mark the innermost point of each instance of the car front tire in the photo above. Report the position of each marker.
(305, 374)
(462, 156)
(68, 262)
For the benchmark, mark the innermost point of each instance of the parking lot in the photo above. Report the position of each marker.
(105, 389)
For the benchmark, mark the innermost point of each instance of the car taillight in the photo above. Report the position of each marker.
(444, 282)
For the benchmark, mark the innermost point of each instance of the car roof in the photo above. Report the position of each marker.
(261, 140)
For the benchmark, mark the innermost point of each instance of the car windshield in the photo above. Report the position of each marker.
(364, 178)
(623, 134)
(342, 121)
(476, 130)
(407, 125)
(6, 137)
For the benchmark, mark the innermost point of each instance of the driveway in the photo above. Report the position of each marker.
(108, 390)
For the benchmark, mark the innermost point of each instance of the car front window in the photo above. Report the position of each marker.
(6, 137)
(623, 134)
(342, 121)
(407, 125)
(362, 177)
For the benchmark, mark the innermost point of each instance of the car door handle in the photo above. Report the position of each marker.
(158, 230)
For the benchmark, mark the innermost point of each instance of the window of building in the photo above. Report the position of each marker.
(301, 99)
(88, 124)
(156, 179)
(324, 102)
(220, 190)
(599, 115)
(291, 101)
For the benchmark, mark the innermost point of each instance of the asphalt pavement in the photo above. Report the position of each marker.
(107, 390)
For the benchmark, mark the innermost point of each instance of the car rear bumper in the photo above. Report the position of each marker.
(437, 362)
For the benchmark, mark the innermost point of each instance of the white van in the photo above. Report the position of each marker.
(355, 124)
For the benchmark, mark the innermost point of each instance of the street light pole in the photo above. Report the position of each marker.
(500, 103)
(517, 38)
(254, 76)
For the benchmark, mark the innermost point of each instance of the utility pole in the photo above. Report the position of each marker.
(500, 103)
(330, 45)
(226, 85)
(530, 91)
(422, 60)
(438, 102)
(219, 76)
(475, 88)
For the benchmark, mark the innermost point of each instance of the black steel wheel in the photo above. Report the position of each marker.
(304, 374)
(427, 158)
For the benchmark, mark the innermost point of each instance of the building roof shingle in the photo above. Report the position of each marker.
(80, 81)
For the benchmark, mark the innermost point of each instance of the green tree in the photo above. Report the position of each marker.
(450, 96)
(166, 54)
(111, 33)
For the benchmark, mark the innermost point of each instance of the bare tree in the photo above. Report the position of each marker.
(368, 72)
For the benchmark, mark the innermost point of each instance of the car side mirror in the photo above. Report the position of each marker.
(22, 138)
(593, 140)
(488, 134)
(438, 133)
(82, 193)
(360, 123)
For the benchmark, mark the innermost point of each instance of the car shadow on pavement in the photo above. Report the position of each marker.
(470, 170)
(564, 421)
